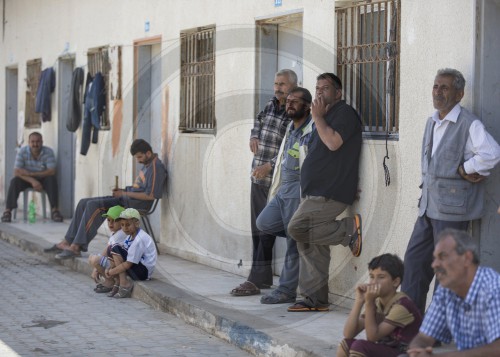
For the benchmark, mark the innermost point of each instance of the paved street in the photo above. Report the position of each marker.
(49, 310)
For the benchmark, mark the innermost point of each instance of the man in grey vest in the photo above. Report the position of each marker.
(457, 155)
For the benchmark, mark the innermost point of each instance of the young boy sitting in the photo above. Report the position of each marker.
(136, 257)
(390, 318)
(100, 262)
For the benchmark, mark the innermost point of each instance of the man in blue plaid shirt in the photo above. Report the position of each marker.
(265, 140)
(466, 305)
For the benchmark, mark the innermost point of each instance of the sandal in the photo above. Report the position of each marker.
(114, 291)
(302, 306)
(124, 292)
(56, 216)
(101, 289)
(7, 217)
(246, 289)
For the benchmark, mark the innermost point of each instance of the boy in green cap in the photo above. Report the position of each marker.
(136, 257)
(101, 262)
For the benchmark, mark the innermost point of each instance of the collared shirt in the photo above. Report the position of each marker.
(270, 128)
(482, 152)
(25, 160)
(290, 169)
(470, 322)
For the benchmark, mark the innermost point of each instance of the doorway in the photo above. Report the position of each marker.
(279, 46)
(66, 140)
(148, 101)
(487, 107)
(11, 128)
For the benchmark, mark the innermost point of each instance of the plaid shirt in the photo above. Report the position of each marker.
(472, 322)
(270, 128)
(46, 160)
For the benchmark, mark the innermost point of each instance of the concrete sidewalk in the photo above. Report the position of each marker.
(200, 295)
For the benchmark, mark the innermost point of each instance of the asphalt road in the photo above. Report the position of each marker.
(49, 310)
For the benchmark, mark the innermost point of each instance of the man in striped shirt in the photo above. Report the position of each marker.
(466, 305)
(265, 140)
(35, 168)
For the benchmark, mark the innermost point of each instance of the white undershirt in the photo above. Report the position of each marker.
(482, 152)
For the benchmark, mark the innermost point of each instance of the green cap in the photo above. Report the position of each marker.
(130, 213)
(114, 212)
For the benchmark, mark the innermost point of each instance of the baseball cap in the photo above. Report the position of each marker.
(114, 212)
(130, 213)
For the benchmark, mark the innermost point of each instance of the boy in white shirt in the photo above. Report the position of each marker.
(100, 262)
(136, 257)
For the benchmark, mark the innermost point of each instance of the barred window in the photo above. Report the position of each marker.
(197, 112)
(98, 61)
(33, 71)
(368, 62)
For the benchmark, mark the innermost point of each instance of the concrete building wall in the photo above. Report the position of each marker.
(206, 215)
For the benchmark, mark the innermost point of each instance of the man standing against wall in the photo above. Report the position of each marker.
(285, 192)
(329, 183)
(265, 140)
(457, 155)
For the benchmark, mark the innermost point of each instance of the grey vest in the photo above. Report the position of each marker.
(445, 195)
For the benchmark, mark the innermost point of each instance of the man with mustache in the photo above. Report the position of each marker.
(457, 155)
(265, 140)
(466, 305)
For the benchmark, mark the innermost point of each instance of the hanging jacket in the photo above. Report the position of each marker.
(74, 104)
(43, 94)
(95, 104)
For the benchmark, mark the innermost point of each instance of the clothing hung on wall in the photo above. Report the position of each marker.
(74, 117)
(46, 86)
(94, 106)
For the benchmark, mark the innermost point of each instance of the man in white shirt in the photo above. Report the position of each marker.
(457, 155)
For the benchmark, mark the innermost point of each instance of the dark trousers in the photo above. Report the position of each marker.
(88, 217)
(17, 185)
(261, 273)
(418, 273)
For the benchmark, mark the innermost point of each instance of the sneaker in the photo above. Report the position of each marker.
(276, 297)
(356, 242)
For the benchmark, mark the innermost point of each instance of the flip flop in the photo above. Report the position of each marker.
(7, 217)
(303, 307)
(356, 243)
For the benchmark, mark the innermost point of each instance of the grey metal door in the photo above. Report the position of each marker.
(65, 140)
(11, 144)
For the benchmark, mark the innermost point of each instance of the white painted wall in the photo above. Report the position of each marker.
(206, 216)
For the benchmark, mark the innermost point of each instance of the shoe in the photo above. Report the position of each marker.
(53, 249)
(7, 217)
(301, 306)
(356, 242)
(114, 291)
(276, 297)
(67, 254)
(124, 292)
(56, 216)
(246, 289)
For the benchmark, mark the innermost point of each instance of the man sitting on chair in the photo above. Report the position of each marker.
(35, 168)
